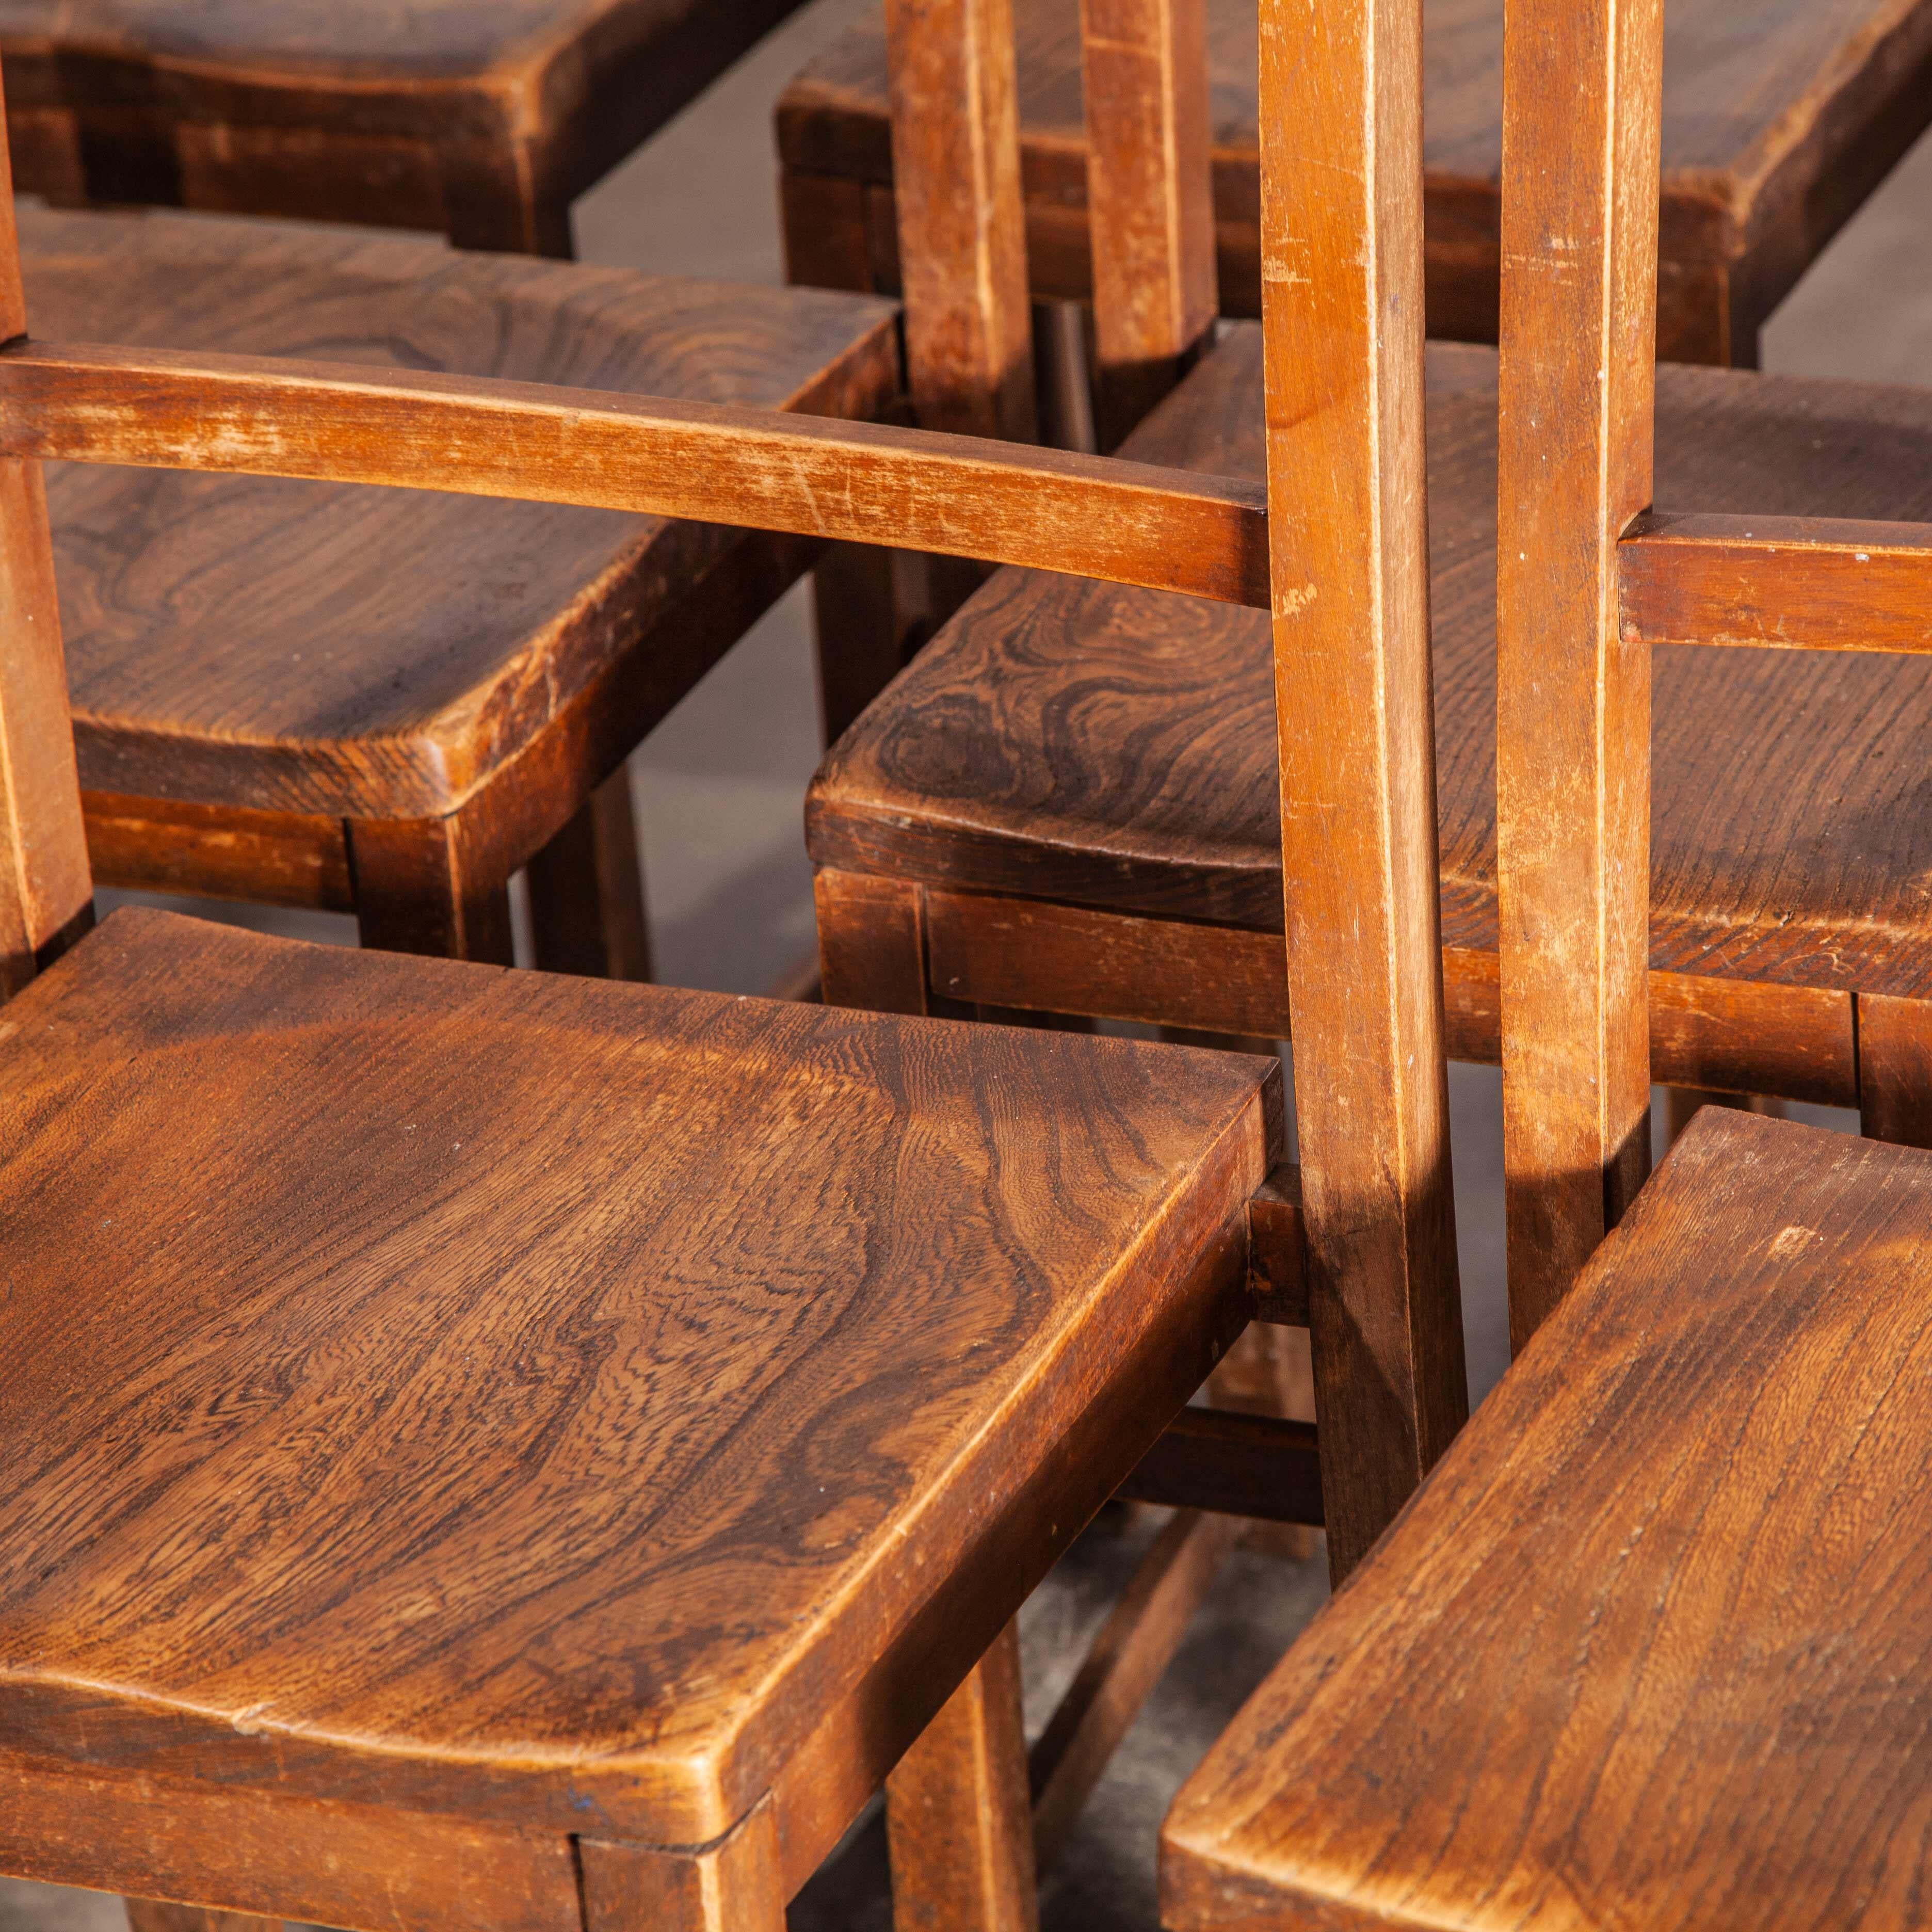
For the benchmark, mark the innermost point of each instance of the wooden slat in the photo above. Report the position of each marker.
(1121, 1668)
(45, 888)
(764, 469)
(1236, 1465)
(961, 219)
(1784, 582)
(1581, 81)
(1341, 249)
(1150, 192)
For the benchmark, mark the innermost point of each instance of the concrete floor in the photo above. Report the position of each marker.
(719, 789)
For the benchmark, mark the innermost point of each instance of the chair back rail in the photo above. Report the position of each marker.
(1589, 577)
(1336, 545)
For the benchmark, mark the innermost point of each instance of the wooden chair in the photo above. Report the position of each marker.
(1076, 784)
(1647, 1648)
(309, 694)
(489, 1448)
(1780, 118)
(481, 119)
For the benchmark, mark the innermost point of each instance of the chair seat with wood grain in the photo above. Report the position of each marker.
(1780, 116)
(309, 694)
(1650, 1647)
(1082, 777)
(458, 1422)
(481, 119)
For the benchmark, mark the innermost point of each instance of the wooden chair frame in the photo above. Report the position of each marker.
(1359, 1246)
(1590, 577)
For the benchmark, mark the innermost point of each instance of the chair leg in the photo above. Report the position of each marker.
(736, 1885)
(423, 885)
(858, 632)
(150, 1915)
(958, 1823)
(587, 891)
(1681, 1104)
(872, 943)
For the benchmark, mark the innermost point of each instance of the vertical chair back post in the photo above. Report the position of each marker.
(47, 893)
(1341, 131)
(1581, 110)
(962, 220)
(1149, 197)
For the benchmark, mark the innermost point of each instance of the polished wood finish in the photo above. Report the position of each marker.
(958, 1820)
(1576, 405)
(961, 244)
(1779, 119)
(415, 1163)
(482, 118)
(1144, 74)
(1607, 1668)
(1342, 375)
(716, 462)
(1084, 776)
(1785, 583)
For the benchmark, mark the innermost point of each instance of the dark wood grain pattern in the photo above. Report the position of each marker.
(1556, 1695)
(205, 665)
(1780, 583)
(1779, 116)
(483, 118)
(451, 1357)
(1115, 749)
(1575, 408)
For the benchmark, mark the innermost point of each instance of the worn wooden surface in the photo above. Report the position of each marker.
(206, 667)
(1345, 456)
(831, 1475)
(44, 883)
(1782, 582)
(1115, 749)
(480, 118)
(961, 241)
(1144, 68)
(1557, 1695)
(842, 481)
(736, 1884)
(1779, 116)
(1576, 402)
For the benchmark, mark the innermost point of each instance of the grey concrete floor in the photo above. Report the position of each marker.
(719, 789)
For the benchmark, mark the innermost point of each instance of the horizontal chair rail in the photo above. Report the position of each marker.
(1233, 1464)
(1776, 583)
(856, 482)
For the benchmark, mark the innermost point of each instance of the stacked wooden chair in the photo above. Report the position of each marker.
(492, 1447)
(409, 709)
(1074, 789)
(1649, 1647)
(1780, 118)
(482, 120)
